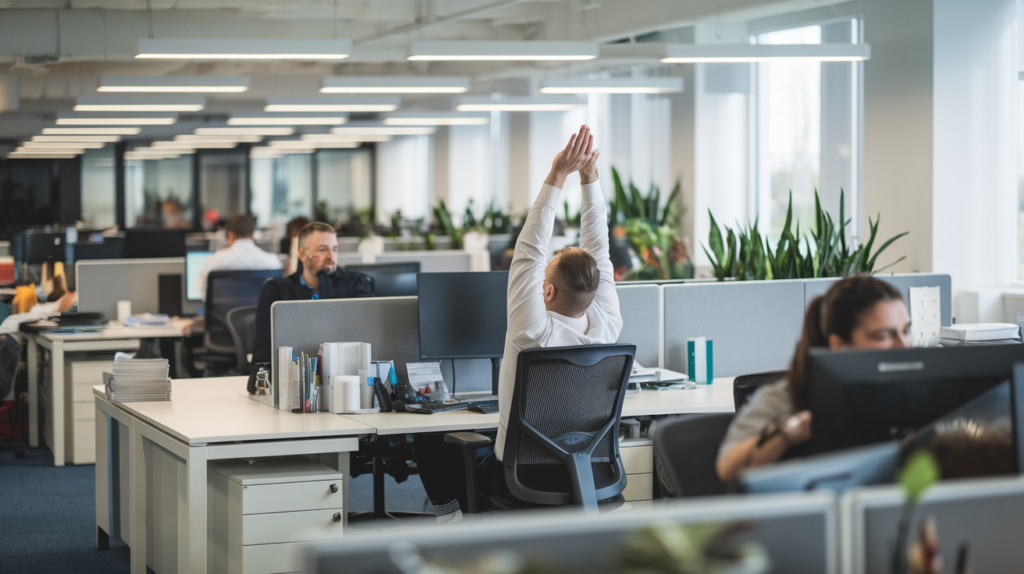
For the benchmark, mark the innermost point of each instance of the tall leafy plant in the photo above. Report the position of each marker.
(631, 204)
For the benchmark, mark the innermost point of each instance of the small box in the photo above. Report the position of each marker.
(699, 360)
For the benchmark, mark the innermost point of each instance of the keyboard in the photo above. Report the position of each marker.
(431, 407)
(486, 407)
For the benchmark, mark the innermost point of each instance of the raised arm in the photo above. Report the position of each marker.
(594, 240)
(527, 316)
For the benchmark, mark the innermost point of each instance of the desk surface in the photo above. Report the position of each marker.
(205, 411)
(119, 331)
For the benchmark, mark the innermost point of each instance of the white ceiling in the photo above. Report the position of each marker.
(58, 49)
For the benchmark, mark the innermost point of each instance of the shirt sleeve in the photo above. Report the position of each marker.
(527, 316)
(594, 240)
(203, 274)
(770, 403)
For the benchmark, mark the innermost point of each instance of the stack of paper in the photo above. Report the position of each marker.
(138, 380)
(149, 320)
(980, 334)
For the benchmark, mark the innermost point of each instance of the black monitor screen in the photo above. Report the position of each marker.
(463, 315)
(391, 279)
(43, 247)
(148, 243)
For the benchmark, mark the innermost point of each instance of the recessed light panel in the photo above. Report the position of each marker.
(394, 85)
(132, 103)
(333, 104)
(173, 84)
(241, 49)
(465, 50)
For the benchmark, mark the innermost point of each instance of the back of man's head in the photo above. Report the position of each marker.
(241, 226)
(310, 229)
(575, 279)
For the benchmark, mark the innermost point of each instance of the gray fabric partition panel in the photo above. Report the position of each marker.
(984, 515)
(430, 261)
(815, 287)
(102, 283)
(641, 309)
(389, 324)
(755, 326)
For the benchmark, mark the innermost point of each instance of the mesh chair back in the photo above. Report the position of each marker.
(562, 442)
(227, 290)
(744, 387)
(242, 324)
(688, 449)
(10, 353)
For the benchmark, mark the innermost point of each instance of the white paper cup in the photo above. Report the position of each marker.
(124, 310)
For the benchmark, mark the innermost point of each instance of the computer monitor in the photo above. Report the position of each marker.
(838, 471)
(36, 247)
(150, 243)
(194, 261)
(464, 316)
(863, 397)
(391, 279)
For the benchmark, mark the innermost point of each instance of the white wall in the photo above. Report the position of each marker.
(404, 177)
(469, 170)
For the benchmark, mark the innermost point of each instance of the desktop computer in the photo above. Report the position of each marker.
(464, 316)
(152, 243)
(194, 262)
(37, 247)
(391, 279)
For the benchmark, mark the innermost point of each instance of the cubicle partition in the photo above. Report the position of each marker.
(982, 516)
(903, 282)
(430, 261)
(102, 283)
(642, 315)
(797, 532)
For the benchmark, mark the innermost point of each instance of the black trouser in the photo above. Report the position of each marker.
(442, 468)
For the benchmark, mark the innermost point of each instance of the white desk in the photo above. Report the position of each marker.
(62, 401)
(169, 444)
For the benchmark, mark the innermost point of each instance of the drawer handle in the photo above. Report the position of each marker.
(337, 517)
(334, 488)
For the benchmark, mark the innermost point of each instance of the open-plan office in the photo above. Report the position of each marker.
(501, 286)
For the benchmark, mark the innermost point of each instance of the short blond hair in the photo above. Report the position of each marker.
(575, 278)
(311, 228)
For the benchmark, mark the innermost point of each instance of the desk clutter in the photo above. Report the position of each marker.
(138, 380)
(970, 334)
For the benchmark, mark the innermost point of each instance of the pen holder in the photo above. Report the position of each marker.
(699, 361)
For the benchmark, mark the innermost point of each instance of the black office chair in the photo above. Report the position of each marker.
(562, 444)
(242, 324)
(226, 290)
(10, 354)
(688, 449)
(744, 387)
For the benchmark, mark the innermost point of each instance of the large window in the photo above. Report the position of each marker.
(158, 193)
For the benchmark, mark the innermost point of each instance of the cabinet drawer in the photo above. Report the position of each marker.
(89, 373)
(639, 487)
(82, 447)
(85, 411)
(291, 497)
(637, 459)
(274, 558)
(279, 527)
(83, 394)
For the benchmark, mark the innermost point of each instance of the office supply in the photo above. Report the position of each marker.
(282, 383)
(464, 316)
(138, 380)
(700, 360)
(148, 320)
(350, 359)
(194, 262)
(431, 407)
(979, 332)
(486, 407)
(152, 243)
(391, 279)
(862, 397)
(345, 394)
(124, 311)
(688, 450)
(925, 316)
(837, 471)
(7, 274)
(169, 287)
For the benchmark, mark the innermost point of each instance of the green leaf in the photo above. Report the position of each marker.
(715, 239)
(667, 214)
(919, 473)
(842, 219)
(871, 262)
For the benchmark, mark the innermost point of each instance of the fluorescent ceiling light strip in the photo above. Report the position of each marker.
(91, 131)
(519, 104)
(199, 139)
(76, 139)
(193, 145)
(17, 155)
(497, 50)
(613, 86)
(427, 121)
(173, 84)
(715, 53)
(286, 121)
(345, 138)
(333, 104)
(242, 49)
(394, 85)
(115, 121)
(35, 151)
(62, 145)
(134, 103)
(383, 130)
(235, 131)
(307, 144)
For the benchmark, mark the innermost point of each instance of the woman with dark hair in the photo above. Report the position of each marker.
(856, 313)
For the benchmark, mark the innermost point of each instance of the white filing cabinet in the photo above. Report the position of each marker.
(79, 410)
(638, 460)
(262, 515)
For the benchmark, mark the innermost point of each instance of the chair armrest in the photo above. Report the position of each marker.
(465, 439)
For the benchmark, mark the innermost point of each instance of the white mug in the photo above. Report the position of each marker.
(124, 310)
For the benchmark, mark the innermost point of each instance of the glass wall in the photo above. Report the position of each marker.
(344, 183)
(98, 188)
(222, 182)
(282, 188)
(158, 193)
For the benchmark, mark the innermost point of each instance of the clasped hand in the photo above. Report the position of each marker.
(578, 155)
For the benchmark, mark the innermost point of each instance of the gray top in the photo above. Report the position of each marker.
(770, 403)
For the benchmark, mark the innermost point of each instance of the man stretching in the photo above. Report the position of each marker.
(567, 302)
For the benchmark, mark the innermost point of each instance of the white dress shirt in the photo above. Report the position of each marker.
(530, 324)
(243, 255)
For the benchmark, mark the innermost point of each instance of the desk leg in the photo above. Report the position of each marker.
(102, 480)
(379, 502)
(57, 408)
(192, 530)
(137, 498)
(33, 392)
